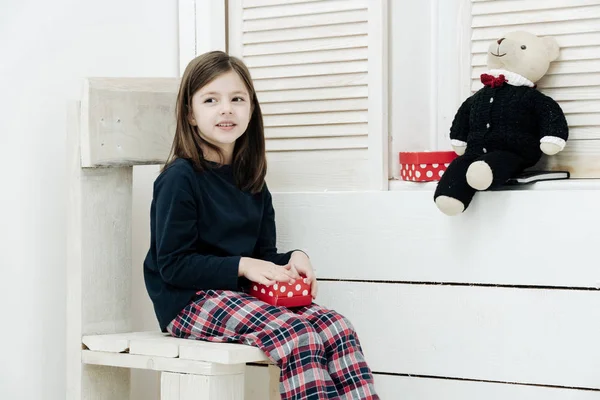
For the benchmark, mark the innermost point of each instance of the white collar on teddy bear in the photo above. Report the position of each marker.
(512, 78)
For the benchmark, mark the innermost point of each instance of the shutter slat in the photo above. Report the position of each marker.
(312, 32)
(510, 6)
(301, 131)
(263, 3)
(308, 57)
(532, 17)
(311, 94)
(305, 20)
(281, 48)
(575, 40)
(584, 133)
(302, 107)
(348, 67)
(297, 9)
(327, 143)
(542, 29)
(591, 119)
(311, 82)
(558, 68)
(345, 117)
(574, 93)
(580, 106)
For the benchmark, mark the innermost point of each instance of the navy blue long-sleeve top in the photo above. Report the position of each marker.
(201, 225)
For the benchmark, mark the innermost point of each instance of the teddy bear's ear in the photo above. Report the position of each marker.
(551, 47)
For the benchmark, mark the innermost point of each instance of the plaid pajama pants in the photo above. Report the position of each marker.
(317, 349)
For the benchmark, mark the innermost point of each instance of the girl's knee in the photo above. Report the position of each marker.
(299, 333)
(340, 322)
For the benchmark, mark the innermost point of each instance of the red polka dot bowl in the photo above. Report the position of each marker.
(424, 166)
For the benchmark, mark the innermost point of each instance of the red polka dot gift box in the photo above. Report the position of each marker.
(424, 166)
(283, 294)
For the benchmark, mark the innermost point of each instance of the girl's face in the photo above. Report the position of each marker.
(221, 110)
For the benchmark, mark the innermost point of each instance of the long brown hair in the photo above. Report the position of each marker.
(249, 159)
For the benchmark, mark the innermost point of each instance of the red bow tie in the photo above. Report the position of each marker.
(492, 81)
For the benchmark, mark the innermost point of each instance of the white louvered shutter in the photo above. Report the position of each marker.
(309, 62)
(573, 79)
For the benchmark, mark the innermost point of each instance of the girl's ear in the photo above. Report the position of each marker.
(191, 119)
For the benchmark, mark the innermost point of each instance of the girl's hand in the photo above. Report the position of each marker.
(265, 272)
(301, 263)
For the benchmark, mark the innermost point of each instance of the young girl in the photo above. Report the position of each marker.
(213, 232)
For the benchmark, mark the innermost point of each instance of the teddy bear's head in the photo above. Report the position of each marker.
(523, 53)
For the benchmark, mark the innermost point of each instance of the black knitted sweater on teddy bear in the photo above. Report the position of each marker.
(510, 118)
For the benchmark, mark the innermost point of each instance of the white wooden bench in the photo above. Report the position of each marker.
(120, 123)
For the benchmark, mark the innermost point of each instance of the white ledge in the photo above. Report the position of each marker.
(567, 184)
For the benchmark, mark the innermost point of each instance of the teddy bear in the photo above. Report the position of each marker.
(504, 127)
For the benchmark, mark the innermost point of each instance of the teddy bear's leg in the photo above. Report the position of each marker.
(453, 195)
(494, 169)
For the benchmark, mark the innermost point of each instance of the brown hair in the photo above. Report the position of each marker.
(249, 160)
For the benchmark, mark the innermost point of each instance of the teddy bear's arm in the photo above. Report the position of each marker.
(552, 122)
(460, 125)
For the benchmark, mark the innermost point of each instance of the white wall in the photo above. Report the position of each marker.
(45, 47)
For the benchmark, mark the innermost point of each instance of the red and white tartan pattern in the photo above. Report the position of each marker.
(317, 349)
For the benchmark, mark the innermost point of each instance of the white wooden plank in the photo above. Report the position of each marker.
(511, 6)
(255, 387)
(162, 347)
(235, 28)
(274, 378)
(589, 119)
(574, 93)
(295, 9)
(422, 388)
(389, 387)
(339, 17)
(378, 94)
(301, 107)
(533, 336)
(578, 107)
(305, 45)
(339, 117)
(210, 26)
(308, 57)
(311, 82)
(169, 364)
(222, 353)
(537, 16)
(263, 3)
(169, 386)
(322, 143)
(303, 170)
(160, 344)
(542, 29)
(308, 131)
(582, 132)
(127, 121)
(223, 387)
(187, 33)
(573, 40)
(303, 33)
(346, 67)
(98, 303)
(341, 224)
(310, 94)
